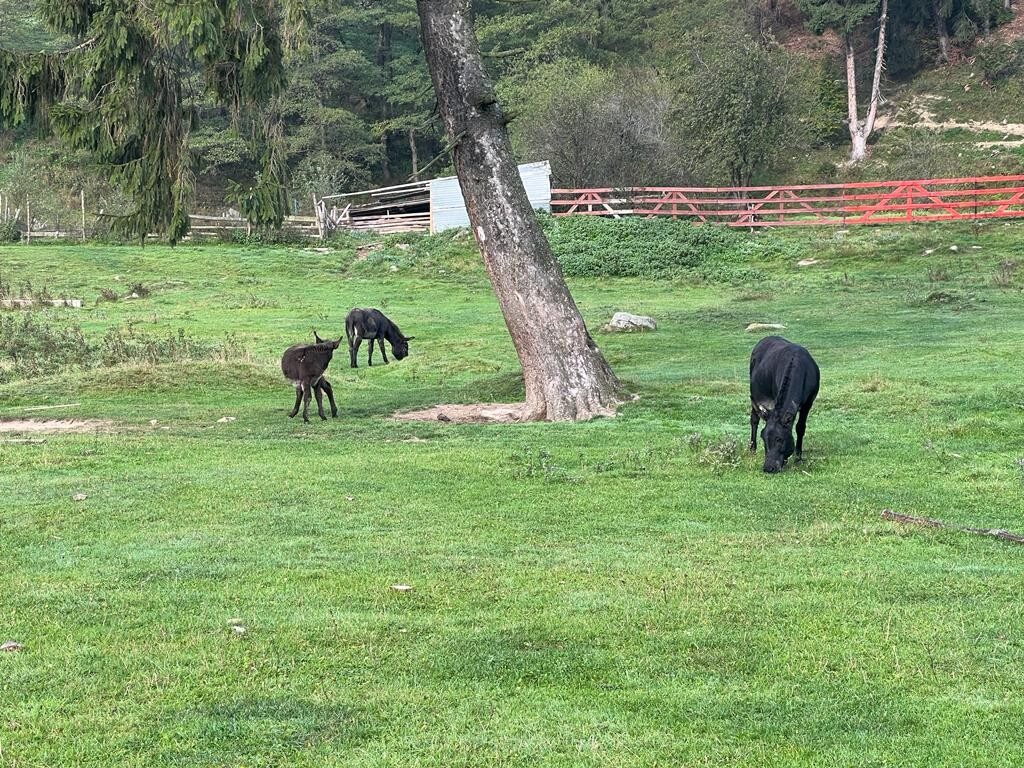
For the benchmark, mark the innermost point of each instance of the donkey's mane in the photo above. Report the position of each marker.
(780, 411)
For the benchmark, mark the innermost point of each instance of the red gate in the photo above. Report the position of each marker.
(869, 202)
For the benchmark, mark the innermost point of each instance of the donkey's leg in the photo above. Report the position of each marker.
(307, 390)
(353, 350)
(380, 343)
(330, 396)
(318, 390)
(755, 419)
(801, 427)
(298, 399)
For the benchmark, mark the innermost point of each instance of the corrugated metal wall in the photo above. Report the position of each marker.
(448, 209)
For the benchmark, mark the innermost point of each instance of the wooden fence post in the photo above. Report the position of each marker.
(28, 221)
(83, 215)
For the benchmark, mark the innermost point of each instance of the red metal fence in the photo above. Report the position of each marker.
(869, 202)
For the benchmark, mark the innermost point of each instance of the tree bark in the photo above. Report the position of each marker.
(565, 375)
(943, 32)
(415, 155)
(860, 130)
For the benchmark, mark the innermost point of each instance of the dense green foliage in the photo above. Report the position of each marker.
(613, 93)
(122, 91)
(591, 246)
(627, 592)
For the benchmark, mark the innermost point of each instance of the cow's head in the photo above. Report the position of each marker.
(778, 443)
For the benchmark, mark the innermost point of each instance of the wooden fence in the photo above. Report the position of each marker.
(203, 226)
(874, 202)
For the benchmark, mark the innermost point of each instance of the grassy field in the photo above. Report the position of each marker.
(626, 592)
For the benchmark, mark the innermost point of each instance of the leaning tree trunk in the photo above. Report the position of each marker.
(565, 374)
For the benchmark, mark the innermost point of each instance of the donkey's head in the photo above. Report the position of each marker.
(400, 346)
(778, 442)
(328, 344)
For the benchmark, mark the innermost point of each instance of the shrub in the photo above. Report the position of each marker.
(129, 345)
(591, 246)
(9, 232)
(36, 347)
(1000, 61)
(32, 345)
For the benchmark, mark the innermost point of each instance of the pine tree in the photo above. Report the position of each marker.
(126, 91)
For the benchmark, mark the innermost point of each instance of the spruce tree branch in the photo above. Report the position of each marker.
(444, 152)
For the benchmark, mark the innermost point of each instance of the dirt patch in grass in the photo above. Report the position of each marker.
(471, 413)
(51, 426)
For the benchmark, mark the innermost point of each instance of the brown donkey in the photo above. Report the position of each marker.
(304, 365)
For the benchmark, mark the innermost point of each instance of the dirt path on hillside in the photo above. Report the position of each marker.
(924, 117)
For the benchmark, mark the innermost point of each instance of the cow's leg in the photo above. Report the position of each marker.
(330, 396)
(369, 359)
(755, 419)
(298, 399)
(353, 350)
(318, 390)
(801, 427)
(307, 390)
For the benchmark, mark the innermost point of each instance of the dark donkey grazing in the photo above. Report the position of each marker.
(372, 324)
(304, 365)
(784, 381)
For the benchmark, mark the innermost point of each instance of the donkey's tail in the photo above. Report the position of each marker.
(350, 329)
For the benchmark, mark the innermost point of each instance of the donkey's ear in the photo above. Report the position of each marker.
(338, 342)
(408, 338)
(316, 336)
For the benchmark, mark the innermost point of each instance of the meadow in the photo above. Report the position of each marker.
(624, 592)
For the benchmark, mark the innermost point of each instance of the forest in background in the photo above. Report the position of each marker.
(613, 93)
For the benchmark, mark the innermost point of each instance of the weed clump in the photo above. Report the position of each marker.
(33, 346)
(717, 455)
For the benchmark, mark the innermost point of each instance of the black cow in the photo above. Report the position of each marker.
(372, 324)
(304, 365)
(784, 381)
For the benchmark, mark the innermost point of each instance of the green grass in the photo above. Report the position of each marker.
(599, 594)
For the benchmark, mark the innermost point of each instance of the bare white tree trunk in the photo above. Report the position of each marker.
(565, 374)
(860, 130)
(942, 30)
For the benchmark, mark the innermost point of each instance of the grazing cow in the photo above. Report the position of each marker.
(373, 325)
(304, 365)
(784, 381)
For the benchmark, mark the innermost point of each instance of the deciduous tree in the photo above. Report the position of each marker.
(847, 18)
(566, 377)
